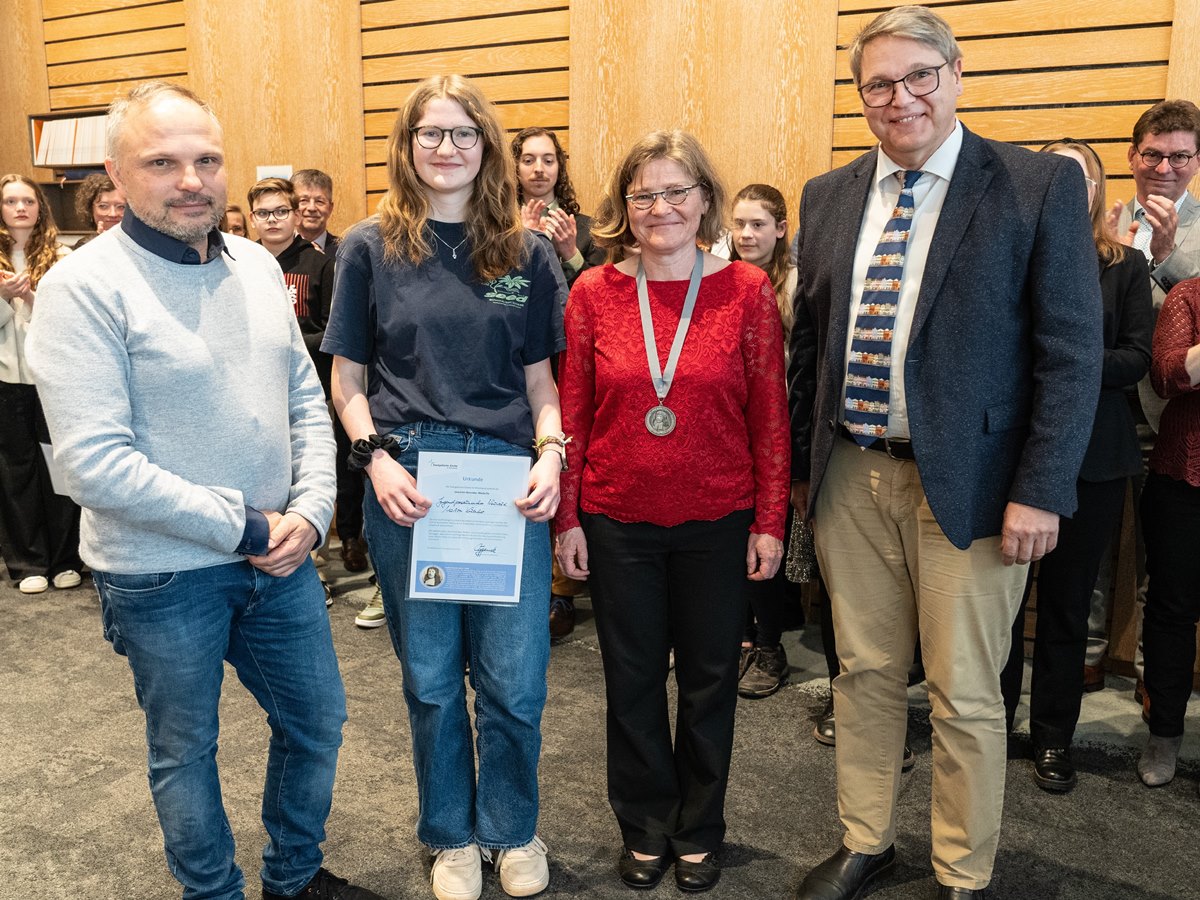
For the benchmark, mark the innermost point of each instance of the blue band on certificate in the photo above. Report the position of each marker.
(485, 579)
(469, 547)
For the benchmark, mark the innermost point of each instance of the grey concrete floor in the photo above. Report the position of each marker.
(76, 819)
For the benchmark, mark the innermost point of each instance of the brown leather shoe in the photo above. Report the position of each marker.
(562, 616)
(1093, 679)
(825, 731)
(354, 555)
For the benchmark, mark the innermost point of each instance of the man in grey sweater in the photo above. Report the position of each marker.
(190, 425)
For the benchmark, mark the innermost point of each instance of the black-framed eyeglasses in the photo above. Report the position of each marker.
(918, 83)
(264, 215)
(464, 137)
(675, 196)
(1153, 159)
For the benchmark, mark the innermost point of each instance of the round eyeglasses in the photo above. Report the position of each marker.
(1153, 159)
(675, 196)
(918, 83)
(464, 137)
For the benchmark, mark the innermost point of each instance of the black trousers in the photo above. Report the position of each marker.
(1065, 581)
(1171, 523)
(350, 488)
(654, 589)
(39, 529)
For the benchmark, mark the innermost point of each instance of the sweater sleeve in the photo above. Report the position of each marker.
(1174, 335)
(577, 393)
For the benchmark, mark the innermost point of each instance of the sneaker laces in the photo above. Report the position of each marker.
(324, 886)
(457, 858)
(518, 855)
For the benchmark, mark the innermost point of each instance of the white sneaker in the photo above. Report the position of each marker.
(523, 870)
(34, 584)
(67, 579)
(457, 874)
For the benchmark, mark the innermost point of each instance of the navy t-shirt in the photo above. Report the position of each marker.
(438, 344)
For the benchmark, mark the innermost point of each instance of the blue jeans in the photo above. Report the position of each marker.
(508, 648)
(177, 630)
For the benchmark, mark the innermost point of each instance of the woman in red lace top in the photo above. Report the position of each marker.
(676, 492)
(1171, 524)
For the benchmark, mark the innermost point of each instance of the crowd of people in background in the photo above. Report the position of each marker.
(951, 373)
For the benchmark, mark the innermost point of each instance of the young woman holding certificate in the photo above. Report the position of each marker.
(673, 389)
(446, 312)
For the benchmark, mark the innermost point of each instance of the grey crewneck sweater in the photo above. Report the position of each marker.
(176, 395)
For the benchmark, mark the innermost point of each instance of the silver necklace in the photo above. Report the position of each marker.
(453, 250)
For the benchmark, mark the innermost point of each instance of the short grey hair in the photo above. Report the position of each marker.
(917, 23)
(141, 95)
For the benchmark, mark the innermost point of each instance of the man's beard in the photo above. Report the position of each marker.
(189, 232)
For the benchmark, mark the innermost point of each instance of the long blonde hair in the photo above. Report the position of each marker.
(41, 250)
(494, 227)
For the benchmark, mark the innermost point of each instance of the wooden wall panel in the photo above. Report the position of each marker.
(284, 81)
(516, 51)
(754, 82)
(117, 45)
(97, 49)
(23, 86)
(1183, 78)
(117, 18)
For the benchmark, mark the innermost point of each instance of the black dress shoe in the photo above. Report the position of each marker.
(326, 886)
(845, 875)
(825, 730)
(945, 892)
(1052, 769)
(641, 873)
(695, 877)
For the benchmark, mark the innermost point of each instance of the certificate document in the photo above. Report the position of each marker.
(469, 546)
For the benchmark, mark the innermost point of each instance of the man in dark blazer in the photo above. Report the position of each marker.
(936, 477)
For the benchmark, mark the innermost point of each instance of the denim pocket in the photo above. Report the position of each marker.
(136, 584)
(405, 435)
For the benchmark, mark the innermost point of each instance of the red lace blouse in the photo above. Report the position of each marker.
(1177, 449)
(730, 448)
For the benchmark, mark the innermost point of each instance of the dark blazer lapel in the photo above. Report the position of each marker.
(844, 226)
(972, 174)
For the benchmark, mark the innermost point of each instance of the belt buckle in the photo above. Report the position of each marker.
(887, 448)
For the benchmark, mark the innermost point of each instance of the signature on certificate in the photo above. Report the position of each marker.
(484, 550)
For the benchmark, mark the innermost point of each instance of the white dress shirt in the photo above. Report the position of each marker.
(929, 194)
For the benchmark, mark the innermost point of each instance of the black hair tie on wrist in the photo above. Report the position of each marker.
(363, 449)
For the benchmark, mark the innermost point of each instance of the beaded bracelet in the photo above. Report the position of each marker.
(556, 442)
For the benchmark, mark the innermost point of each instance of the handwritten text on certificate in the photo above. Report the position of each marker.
(469, 546)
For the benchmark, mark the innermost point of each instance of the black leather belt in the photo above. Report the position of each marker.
(896, 449)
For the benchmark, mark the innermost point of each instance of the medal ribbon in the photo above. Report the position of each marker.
(660, 378)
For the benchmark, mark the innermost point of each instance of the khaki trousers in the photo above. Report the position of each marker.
(892, 573)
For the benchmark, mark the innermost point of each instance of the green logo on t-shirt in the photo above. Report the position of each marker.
(508, 290)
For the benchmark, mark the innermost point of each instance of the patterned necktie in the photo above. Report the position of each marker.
(868, 375)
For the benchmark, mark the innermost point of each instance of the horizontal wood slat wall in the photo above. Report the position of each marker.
(753, 81)
(97, 49)
(1036, 70)
(518, 52)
